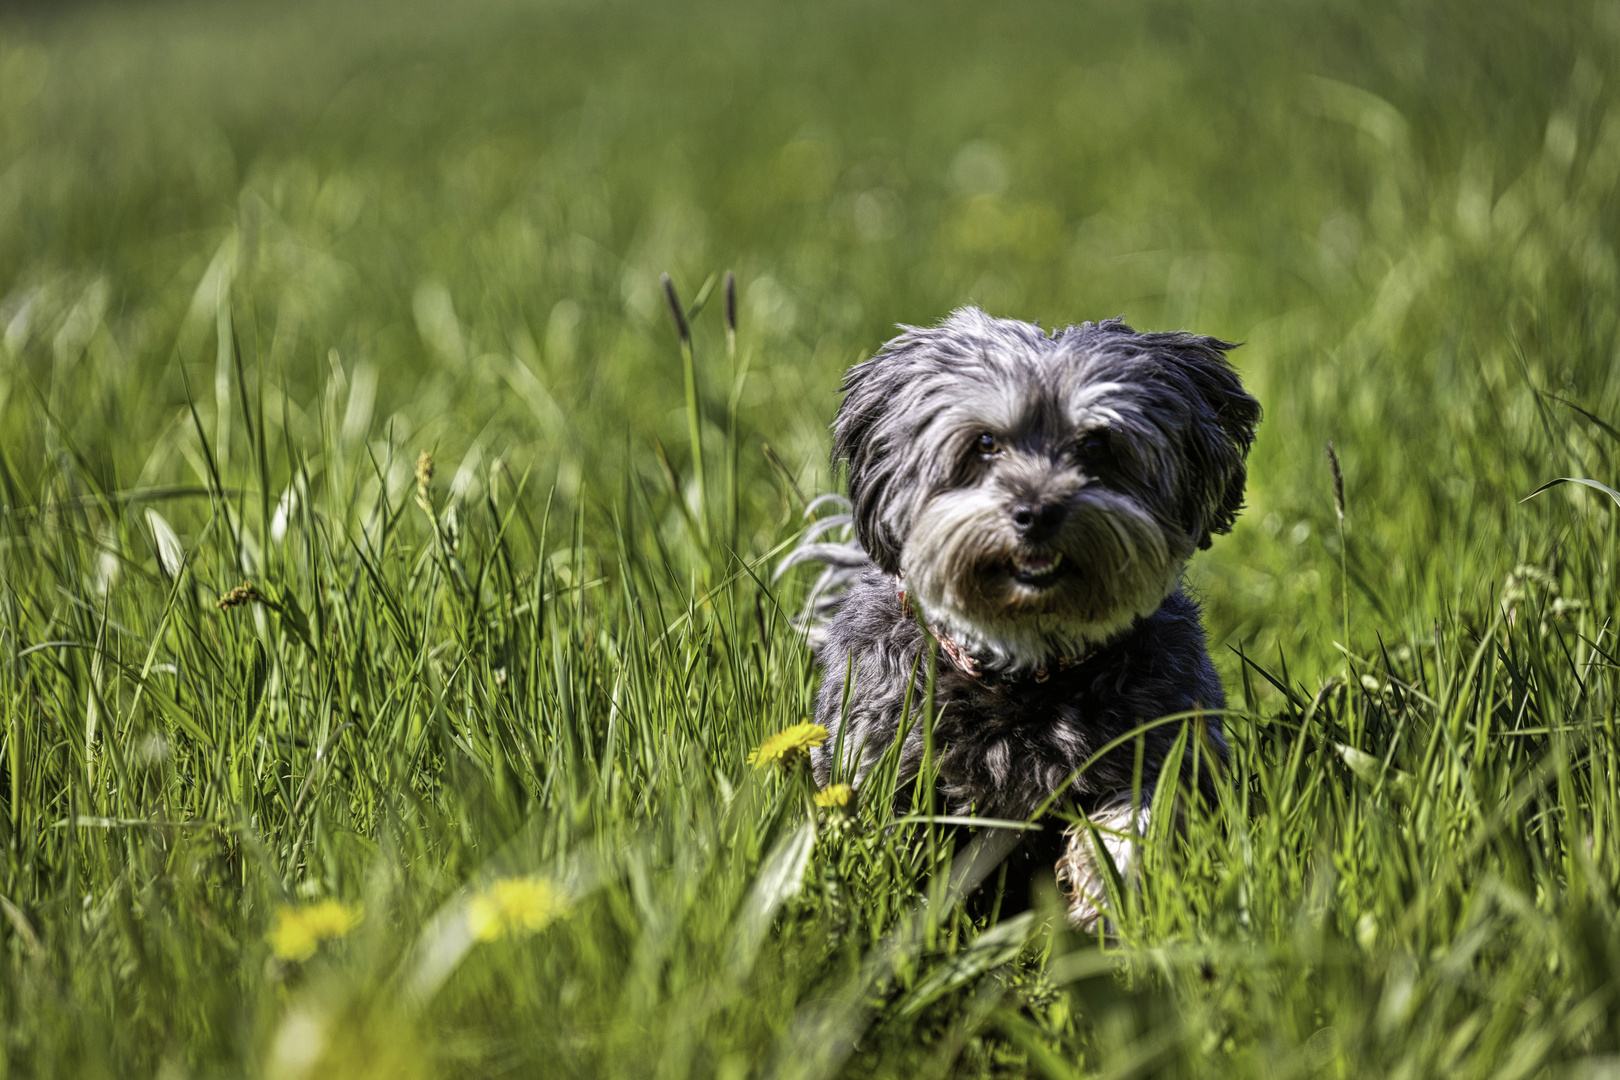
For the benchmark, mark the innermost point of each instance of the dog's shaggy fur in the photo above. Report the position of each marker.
(1029, 501)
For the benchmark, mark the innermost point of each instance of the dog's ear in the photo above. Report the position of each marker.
(1220, 429)
(865, 437)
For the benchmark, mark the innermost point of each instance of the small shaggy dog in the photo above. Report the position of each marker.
(1029, 502)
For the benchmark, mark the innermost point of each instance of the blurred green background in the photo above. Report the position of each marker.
(1387, 203)
(255, 258)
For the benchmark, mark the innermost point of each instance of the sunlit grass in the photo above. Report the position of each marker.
(385, 583)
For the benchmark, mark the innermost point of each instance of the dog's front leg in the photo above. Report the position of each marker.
(1080, 872)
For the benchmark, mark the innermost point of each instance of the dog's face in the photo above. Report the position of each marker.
(1039, 493)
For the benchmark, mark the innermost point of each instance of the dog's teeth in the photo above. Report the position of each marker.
(1037, 567)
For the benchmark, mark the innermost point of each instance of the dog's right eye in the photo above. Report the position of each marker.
(989, 445)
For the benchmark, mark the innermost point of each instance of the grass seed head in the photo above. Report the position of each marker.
(1338, 483)
(245, 593)
(424, 474)
(682, 330)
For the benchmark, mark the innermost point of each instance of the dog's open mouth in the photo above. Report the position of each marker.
(1036, 571)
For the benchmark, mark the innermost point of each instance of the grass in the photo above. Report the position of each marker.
(258, 259)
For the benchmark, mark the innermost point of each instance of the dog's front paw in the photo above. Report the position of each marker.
(1079, 870)
(1080, 878)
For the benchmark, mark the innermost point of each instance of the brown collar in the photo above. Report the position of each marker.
(970, 665)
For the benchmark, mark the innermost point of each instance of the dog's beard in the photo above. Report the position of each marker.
(1020, 605)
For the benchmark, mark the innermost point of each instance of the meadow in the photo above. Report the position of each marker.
(387, 618)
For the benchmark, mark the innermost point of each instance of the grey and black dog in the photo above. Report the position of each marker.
(1030, 501)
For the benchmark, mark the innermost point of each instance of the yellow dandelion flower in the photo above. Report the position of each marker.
(298, 932)
(786, 747)
(518, 905)
(837, 796)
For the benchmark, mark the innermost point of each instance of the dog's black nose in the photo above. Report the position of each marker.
(1037, 521)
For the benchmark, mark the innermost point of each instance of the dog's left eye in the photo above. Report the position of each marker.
(1093, 446)
(989, 445)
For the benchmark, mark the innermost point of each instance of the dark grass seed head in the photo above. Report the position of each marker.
(676, 312)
